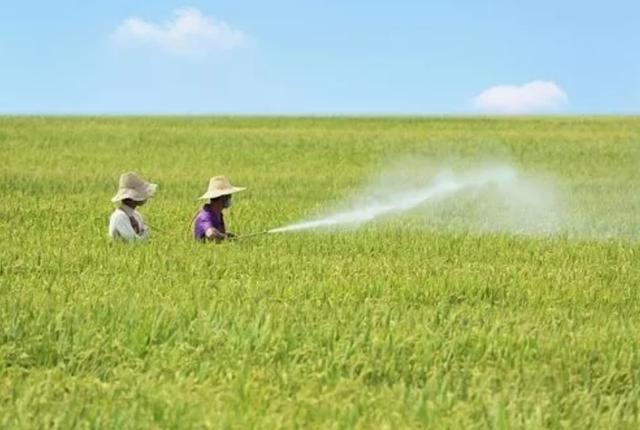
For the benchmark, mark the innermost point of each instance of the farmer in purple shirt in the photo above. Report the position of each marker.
(209, 221)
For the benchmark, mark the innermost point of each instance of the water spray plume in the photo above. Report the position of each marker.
(445, 185)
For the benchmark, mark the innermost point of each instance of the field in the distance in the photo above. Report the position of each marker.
(390, 326)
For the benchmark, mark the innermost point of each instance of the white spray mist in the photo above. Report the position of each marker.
(507, 202)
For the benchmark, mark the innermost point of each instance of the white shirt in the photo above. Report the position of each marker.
(120, 225)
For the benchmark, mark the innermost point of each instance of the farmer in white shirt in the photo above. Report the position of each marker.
(126, 223)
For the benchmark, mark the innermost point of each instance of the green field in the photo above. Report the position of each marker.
(398, 324)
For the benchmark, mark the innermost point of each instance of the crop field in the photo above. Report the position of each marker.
(402, 323)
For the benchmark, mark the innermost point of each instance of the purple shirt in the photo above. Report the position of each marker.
(205, 219)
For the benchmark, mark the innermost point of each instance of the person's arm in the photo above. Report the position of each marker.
(144, 229)
(213, 233)
(124, 229)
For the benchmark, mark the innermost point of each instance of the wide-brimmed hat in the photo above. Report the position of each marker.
(134, 188)
(219, 186)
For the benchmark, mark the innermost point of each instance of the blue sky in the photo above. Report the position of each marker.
(320, 57)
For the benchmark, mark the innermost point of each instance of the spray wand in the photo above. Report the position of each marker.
(246, 236)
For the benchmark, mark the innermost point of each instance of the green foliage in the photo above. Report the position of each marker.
(389, 326)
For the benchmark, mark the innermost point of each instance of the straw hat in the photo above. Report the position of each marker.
(134, 188)
(219, 186)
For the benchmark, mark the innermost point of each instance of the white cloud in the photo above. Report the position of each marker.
(532, 97)
(190, 32)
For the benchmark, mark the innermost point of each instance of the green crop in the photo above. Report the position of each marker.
(393, 325)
